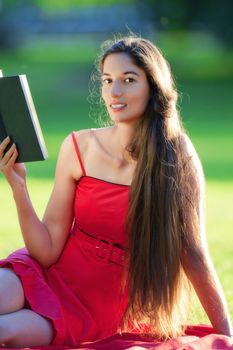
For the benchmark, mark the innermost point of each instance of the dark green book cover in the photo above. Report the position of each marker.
(18, 119)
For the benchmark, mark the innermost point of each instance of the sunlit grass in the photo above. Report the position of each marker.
(219, 224)
(10, 234)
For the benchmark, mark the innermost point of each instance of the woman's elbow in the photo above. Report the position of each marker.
(43, 260)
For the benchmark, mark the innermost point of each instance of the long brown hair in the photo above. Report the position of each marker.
(160, 196)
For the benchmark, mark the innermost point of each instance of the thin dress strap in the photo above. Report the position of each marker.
(78, 153)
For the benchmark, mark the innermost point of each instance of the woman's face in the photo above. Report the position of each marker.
(125, 88)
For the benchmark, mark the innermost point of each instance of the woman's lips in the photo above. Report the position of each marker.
(117, 107)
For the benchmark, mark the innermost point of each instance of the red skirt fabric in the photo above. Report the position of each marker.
(199, 337)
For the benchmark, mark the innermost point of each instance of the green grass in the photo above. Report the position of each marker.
(206, 108)
(196, 54)
(219, 223)
(59, 77)
(10, 233)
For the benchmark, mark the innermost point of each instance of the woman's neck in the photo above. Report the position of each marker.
(122, 134)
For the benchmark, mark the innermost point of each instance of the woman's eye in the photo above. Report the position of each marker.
(129, 80)
(106, 81)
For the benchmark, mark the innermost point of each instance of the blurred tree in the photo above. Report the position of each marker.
(10, 37)
(15, 16)
(66, 4)
(5, 7)
(211, 15)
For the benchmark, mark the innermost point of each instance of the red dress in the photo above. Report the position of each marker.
(81, 292)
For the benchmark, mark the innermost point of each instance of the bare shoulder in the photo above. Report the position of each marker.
(195, 166)
(87, 139)
(93, 145)
(189, 145)
(82, 139)
(68, 158)
(191, 151)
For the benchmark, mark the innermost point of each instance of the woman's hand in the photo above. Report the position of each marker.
(14, 173)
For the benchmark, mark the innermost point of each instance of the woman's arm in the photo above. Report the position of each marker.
(196, 259)
(45, 238)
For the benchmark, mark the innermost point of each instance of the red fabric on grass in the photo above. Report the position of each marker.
(197, 338)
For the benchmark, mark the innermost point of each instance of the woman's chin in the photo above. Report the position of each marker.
(124, 119)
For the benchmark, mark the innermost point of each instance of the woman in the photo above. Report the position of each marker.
(123, 230)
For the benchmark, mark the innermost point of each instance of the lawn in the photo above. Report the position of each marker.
(59, 82)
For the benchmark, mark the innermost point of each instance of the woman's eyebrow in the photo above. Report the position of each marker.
(125, 73)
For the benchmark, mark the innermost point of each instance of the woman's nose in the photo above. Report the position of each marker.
(116, 89)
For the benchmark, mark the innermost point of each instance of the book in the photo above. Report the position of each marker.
(19, 120)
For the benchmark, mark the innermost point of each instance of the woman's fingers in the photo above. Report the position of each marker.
(13, 157)
(3, 145)
(7, 155)
(7, 162)
(14, 173)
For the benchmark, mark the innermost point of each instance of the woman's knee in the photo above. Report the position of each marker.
(11, 291)
(25, 328)
(6, 333)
